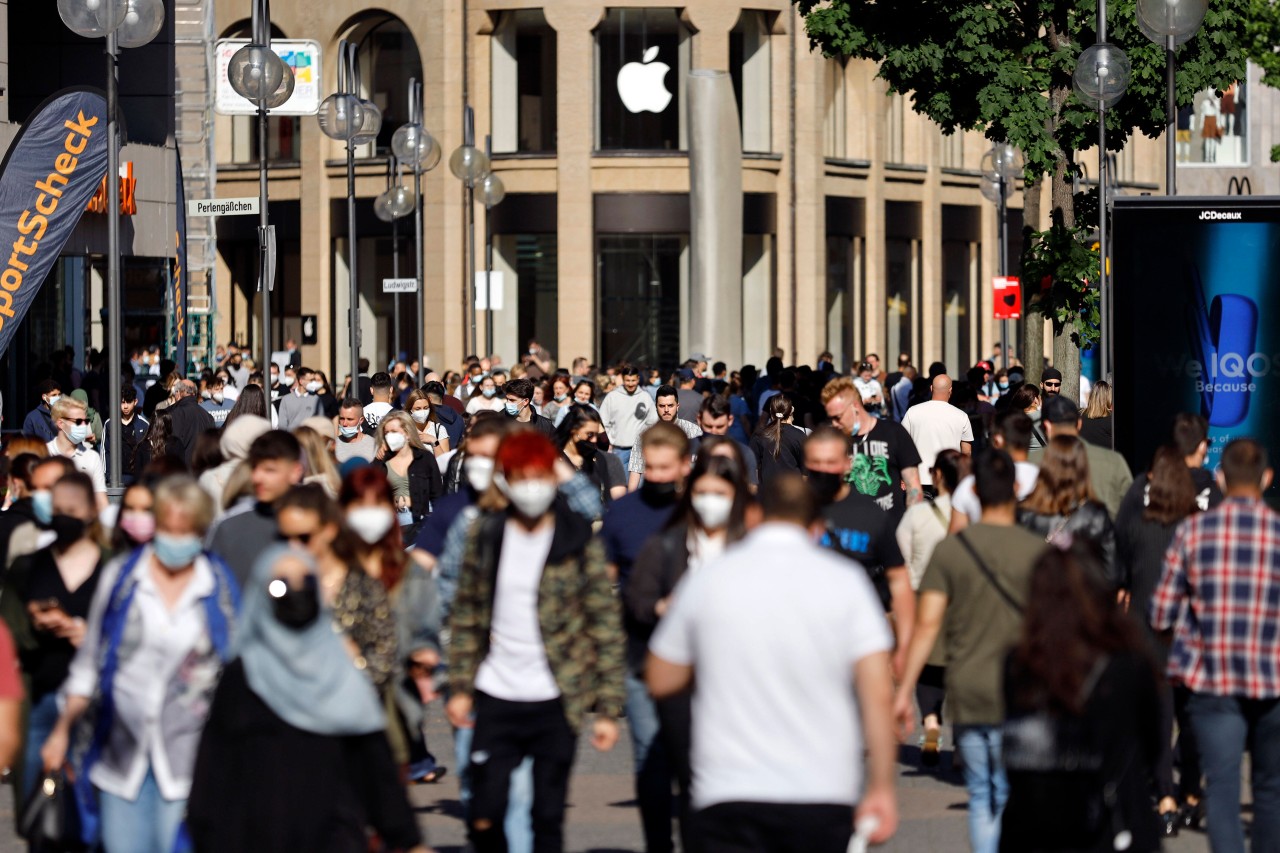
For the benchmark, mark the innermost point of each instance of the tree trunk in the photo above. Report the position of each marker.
(1032, 353)
(1066, 355)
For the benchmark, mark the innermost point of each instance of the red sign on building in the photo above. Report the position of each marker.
(1008, 297)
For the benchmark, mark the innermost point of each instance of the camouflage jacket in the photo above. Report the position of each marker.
(580, 617)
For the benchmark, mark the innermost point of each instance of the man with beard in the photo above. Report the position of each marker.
(857, 528)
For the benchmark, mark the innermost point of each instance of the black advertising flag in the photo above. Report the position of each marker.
(52, 169)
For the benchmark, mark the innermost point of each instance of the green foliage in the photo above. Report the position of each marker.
(1262, 29)
(1063, 263)
(991, 65)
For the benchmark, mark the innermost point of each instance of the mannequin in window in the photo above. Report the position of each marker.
(1210, 126)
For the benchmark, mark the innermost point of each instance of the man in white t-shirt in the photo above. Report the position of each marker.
(1011, 433)
(381, 387)
(936, 425)
(869, 388)
(71, 420)
(790, 649)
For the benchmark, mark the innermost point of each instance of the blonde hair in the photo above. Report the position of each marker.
(1099, 400)
(67, 404)
(319, 464)
(406, 423)
(183, 492)
(841, 386)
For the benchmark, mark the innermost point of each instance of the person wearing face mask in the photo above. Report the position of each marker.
(856, 527)
(275, 465)
(45, 603)
(20, 513)
(294, 755)
(217, 404)
(520, 407)
(72, 419)
(536, 638)
(159, 632)
(39, 421)
(710, 516)
(431, 430)
(370, 514)
(353, 441)
(487, 400)
(557, 404)
(411, 469)
(578, 438)
(136, 521)
(301, 402)
(30, 536)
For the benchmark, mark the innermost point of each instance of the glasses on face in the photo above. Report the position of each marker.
(1053, 384)
(839, 416)
(77, 421)
(300, 538)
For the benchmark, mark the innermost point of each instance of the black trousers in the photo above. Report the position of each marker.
(774, 828)
(676, 734)
(505, 733)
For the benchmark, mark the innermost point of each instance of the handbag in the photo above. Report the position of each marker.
(50, 819)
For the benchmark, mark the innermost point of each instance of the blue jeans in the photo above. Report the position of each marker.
(653, 770)
(518, 824)
(1225, 726)
(149, 824)
(986, 782)
(40, 721)
(625, 456)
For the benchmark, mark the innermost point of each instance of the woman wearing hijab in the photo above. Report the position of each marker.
(294, 755)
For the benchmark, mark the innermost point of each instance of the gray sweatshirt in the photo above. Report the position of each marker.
(294, 409)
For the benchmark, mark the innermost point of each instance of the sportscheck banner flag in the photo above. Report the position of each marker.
(52, 169)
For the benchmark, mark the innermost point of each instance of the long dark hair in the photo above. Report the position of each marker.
(953, 466)
(252, 401)
(159, 433)
(578, 415)
(777, 410)
(1171, 493)
(1071, 620)
(732, 471)
(1063, 484)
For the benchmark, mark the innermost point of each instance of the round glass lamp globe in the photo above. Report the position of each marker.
(371, 125)
(990, 190)
(491, 190)
(382, 207)
(400, 199)
(341, 117)
(1177, 18)
(1101, 76)
(1002, 161)
(469, 164)
(255, 72)
(93, 19)
(142, 23)
(413, 145)
(285, 92)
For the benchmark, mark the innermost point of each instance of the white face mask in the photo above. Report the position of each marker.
(420, 416)
(208, 395)
(479, 471)
(314, 387)
(218, 397)
(713, 510)
(395, 441)
(286, 381)
(532, 498)
(370, 523)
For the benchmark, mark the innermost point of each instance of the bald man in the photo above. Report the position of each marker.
(936, 425)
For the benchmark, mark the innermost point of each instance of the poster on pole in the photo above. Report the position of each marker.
(52, 169)
(1008, 297)
(302, 55)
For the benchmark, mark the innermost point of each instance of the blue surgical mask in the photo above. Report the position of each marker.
(176, 552)
(513, 409)
(42, 505)
(348, 431)
(560, 398)
(489, 392)
(77, 433)
(1004, 386)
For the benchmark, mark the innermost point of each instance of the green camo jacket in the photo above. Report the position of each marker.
(580, 617)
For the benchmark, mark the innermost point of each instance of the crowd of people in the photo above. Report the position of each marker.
(774, 578)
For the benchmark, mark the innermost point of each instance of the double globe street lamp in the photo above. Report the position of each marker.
(1170, 24)
(122, 23)
(392, 205)
(347, 117)
(471, 166)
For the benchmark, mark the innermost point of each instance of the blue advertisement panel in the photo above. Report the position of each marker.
(1197, 322)
(52, 169)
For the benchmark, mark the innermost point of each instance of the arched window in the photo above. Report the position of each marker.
(388, 57)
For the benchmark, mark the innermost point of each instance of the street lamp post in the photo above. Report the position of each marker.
(122, 23)
(412, 144)
(1101, 77)
(393, 205)
(346, 117)
(258, 74)
(1170, 23)
(470, 165)
(492, 192)
(1000, 168)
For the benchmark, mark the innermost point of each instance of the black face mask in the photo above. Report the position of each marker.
(658, 494)
(298, 608)
(66, 529)
(825, 485)
(586, 449)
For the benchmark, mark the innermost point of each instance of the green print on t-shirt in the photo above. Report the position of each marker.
(868, 472)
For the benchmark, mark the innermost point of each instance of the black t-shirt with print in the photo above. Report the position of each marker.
(859, 529)
(879, 458)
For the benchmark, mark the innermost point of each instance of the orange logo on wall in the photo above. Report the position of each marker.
(128, 193)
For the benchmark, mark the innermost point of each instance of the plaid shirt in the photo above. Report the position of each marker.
(1220, 592)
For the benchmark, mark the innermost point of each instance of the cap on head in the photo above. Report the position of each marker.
(684, 374)
(1051, 373)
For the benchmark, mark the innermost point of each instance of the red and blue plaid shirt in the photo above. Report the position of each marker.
(1220, 592)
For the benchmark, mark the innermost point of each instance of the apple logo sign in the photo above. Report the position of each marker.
(642, 86)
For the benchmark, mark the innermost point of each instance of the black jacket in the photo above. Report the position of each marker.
(1090, 522)
(659, 566)
(189, 420)
(425, 482)
(452, 423)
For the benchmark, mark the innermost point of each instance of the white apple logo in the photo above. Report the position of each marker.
(642, 85)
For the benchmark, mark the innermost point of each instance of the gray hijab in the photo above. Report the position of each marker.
(305, 676)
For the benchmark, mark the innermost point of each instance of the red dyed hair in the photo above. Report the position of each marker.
(528, 452)
(371, 481)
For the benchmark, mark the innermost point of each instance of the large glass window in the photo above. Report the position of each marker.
(1213, 130)
(640, 283)
(524, 83)
(844, 279)
(282, 139)
(749, 58)
(388, 60)
(903, 271)
(959, 274)
(642, 59)
(834, 129)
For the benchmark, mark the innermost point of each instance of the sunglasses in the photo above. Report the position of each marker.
(301, 538)
(1053, 384)
(77, 421)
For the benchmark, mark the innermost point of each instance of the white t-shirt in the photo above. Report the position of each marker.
(966, 500)
(773, 630)
(936, 426)
(87, 461)
(516, 668)
(868, 388)
(374, 413)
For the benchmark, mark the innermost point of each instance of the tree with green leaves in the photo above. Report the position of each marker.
(1004, 67)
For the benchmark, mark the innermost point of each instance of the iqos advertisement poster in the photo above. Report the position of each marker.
(1197, 325)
